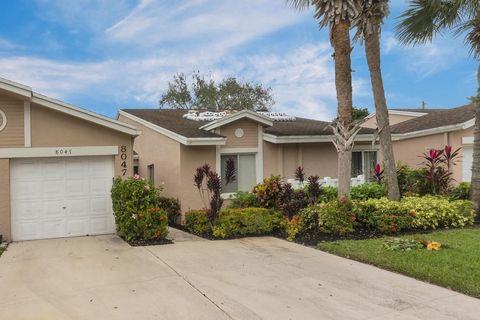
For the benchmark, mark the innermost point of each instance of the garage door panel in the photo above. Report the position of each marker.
(63, 197)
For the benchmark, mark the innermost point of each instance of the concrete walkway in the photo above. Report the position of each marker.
(257, 278)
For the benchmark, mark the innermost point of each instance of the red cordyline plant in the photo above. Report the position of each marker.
(378, 173)
(300, 174)
(438, 169)
(209, 186)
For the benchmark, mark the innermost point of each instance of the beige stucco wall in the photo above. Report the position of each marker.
(393, 118)
(316, 158)
(5, 198)
(249, 139)
(12, 135)
(51, 128)
(163, 153)
(191, 157)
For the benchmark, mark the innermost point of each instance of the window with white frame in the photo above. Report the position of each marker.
(151, 173)
(363, 162)
(245, 172)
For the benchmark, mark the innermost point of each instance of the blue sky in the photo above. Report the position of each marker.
(107, 54)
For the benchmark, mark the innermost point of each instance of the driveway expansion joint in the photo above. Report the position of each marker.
(191, 284)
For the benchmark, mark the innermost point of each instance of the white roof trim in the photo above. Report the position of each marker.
(83, 114)
(400, 113)
(60, 106)
(460, 126)
(175, 136)
(467, 140)
(313, 138)
(236, 116)
(14, 87)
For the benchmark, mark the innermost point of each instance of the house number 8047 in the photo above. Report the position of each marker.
(123, 157)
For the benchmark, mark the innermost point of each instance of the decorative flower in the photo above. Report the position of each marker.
(433, 154)
(448, 150)
(378, 168)
(136, 176)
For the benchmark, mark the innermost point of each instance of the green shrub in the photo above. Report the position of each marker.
(247, 221)
(411, 181)
(268, 192)
(460, 192)
(382, 215)
(334, 217)
(368, 191)
(432, 212)
(243, 199)
(328, 193)
(136, 213)
(197, 222)
(171, 207)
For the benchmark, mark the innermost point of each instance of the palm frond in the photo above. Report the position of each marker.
(370, 17)
(472, 38)
(300, 4)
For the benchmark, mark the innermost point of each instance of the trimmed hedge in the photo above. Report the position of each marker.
(233, 223)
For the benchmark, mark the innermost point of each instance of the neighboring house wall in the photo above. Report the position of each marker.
(249, 138)
(393, 118)
(161, 151)
(13, 134)
(192, 157)
(5, 197)
(53, 129)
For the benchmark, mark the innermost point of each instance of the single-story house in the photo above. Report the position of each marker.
(415, 131)
(174, 143)
(57, 163)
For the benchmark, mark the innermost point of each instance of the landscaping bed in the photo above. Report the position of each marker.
(456, 265)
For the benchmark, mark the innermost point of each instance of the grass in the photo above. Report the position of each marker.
(456, 265)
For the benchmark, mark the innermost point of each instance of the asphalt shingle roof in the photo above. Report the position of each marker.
(172, 119)
(435, 118)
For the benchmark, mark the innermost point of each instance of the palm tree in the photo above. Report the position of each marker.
(368, 24)
(424, 19)
(337, 15)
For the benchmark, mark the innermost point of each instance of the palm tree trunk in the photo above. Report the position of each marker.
(476, 151)
(343, 83)
(372, 51)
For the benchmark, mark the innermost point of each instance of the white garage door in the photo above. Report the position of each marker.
(61, 197)
(467, 163)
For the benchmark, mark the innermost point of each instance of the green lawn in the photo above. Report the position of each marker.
(455, 266)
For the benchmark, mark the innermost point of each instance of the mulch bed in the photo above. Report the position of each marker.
(141, 243)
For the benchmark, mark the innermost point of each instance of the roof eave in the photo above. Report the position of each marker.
(310, 138)
(426, 132)
(237, 116)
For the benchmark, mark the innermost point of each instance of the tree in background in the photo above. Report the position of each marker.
(426, 18)
(206, 94)
(359, 113)
(368, 24)
(337, 15)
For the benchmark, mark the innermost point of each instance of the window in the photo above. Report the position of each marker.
(245, 172)
(135, 170)
(363, 162)
(151, 173)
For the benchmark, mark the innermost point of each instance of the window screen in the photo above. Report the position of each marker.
(246, 175)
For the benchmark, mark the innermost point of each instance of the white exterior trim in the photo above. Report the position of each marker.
(17, 88)
(83, 114)
(259, 158)
(467, 140)
(175, 136)
(362, 147)
(58, 152)
(305, 139)
(414, 134)
(236, 116)
(4, 120)
(238, 150)
(27, 124)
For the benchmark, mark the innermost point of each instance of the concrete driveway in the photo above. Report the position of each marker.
(257, 278)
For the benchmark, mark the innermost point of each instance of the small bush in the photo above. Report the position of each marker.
(171, 207)
(411, 181)
(244, 222)
(432, 212)
(368, 191)
(328, 193)
(268, 192)
(291, 201)
(334, 217)
(383, 215)
(197, 222)
(243, 199)
(460, 192)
